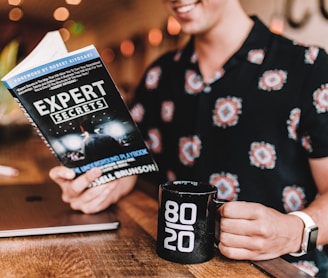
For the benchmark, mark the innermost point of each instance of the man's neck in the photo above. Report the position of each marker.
(214, 48)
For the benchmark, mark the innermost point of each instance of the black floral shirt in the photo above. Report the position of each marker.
(251, 131)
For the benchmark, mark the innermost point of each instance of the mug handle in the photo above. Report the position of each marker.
(219, 203)
(216, 204)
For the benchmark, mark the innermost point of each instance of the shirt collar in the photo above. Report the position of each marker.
(258, 38)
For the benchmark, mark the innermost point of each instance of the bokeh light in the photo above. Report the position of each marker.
(76, 28)
(65, 34)
(15, 2)
(127, 48)
(73, 2)
(277, 25)
(173, 26)
(61, 14)
(15, 14)
(155, 36)
(107, 55)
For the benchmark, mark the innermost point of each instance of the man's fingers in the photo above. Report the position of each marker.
(60, 173)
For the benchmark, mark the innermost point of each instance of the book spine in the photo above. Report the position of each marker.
(34, 125)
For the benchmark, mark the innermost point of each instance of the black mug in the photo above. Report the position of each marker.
(186, 221)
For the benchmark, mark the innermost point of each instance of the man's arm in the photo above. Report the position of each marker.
(251, 231)
(318, 209)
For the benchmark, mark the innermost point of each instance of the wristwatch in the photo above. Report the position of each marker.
(310, 234)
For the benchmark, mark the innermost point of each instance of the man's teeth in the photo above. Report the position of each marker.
(185, 9)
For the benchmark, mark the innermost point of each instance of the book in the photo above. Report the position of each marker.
(73, 103)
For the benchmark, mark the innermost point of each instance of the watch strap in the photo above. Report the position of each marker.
(308, 223)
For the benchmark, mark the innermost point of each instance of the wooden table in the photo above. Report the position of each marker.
(127, 252)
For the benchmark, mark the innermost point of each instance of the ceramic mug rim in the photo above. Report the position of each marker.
(206, 189)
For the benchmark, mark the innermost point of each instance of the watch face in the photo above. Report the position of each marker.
(312, 242)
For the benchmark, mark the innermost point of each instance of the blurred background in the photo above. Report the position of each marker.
(129, 34)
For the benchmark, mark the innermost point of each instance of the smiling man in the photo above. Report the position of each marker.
(245, 110)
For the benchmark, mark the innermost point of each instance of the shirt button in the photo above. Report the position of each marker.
(207, 89)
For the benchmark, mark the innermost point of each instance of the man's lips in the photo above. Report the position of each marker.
(185, 8)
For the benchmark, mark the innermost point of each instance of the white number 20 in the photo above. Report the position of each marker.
(179, 232)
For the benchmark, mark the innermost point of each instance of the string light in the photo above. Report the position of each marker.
(70, 27)
(108, 55)
(15, 14)
(155, 36)
(73, 2)
(15, 2)
(76, 28)
(173, 26)
(127, 48)
(65, 34)
(277, 25)
(61, 14)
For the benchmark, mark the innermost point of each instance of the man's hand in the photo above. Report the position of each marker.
(76, 192)
(251, 231)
